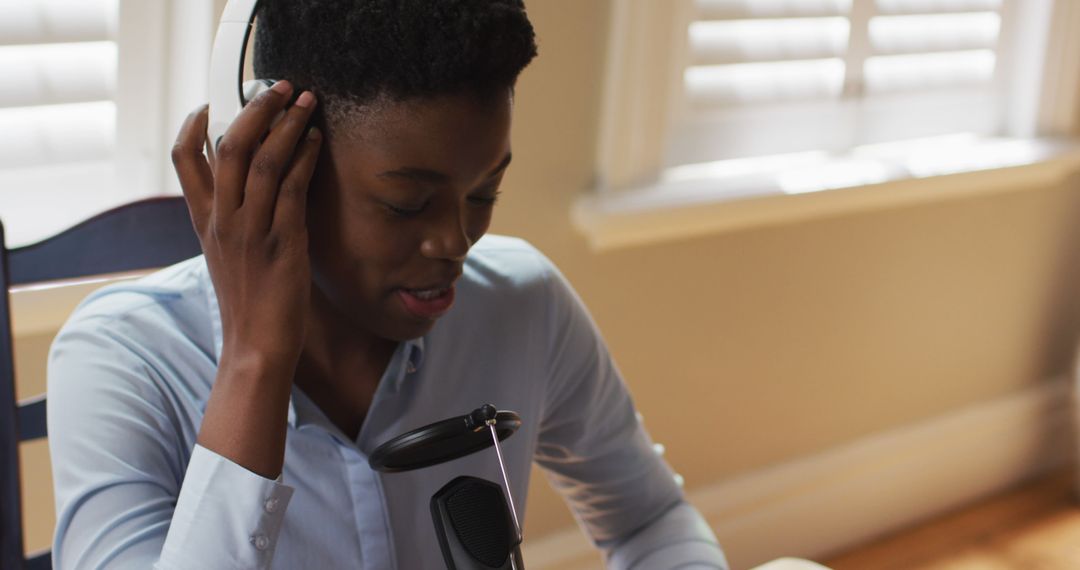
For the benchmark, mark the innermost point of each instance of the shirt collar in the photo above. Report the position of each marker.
(414, 349)
(404, 363)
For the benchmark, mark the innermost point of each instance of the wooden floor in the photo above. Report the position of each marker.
(1036, 527)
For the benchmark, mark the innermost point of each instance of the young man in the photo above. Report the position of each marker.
(220, 413)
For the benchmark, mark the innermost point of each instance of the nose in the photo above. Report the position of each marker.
(448, 239)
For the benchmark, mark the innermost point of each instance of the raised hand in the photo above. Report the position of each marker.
(249, 212)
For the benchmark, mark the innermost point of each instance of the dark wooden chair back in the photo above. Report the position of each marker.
(142, 235)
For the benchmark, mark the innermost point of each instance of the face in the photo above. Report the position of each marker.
(398, 198)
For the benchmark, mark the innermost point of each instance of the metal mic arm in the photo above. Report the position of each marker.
(484, 417)
(506, 480)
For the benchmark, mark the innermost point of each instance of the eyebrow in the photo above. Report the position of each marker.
(433, 176)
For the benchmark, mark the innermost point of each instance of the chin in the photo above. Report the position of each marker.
(401, 330)
(407, 335)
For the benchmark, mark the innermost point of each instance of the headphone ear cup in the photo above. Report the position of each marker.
(251, 89)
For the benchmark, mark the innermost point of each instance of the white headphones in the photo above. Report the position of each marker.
(228, 91)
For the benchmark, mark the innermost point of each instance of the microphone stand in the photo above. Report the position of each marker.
(451, 439)
(515, 553)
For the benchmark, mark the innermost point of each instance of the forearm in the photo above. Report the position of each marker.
(247, 413)
(258, 260)
(117, 453)
(680, 538)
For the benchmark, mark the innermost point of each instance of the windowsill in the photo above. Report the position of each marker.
(709, 199)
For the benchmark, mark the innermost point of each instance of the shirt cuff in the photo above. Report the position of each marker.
(679, 539)
(226, 516)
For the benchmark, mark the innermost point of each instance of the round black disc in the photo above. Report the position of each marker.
(443, 441)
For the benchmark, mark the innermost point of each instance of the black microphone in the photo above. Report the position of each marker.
(475, 520)
(474, 526)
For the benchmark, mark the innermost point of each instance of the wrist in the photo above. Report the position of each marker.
(268, 364)
(246, 416)
(258, 341)
(260, 351)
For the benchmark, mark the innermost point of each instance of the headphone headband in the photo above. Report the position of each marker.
(227, 66)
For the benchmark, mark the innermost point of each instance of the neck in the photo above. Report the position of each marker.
(340, 367)
(335, 351)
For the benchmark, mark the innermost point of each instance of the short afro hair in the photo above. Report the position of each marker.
(353, 52)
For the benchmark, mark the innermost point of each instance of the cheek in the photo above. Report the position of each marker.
(376, 244)
(478, 223)
(356, 246)
(380, 247)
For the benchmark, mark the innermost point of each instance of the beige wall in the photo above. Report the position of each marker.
(753, 347)
(750, 348)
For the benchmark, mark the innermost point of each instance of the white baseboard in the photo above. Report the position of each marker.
(823, 504)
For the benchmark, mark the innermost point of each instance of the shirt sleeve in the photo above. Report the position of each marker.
(680, 538)
(599, 456)
(132, 489)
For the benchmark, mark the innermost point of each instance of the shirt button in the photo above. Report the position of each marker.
(260, 541)
(410, 367)
(271, 505)
(658, 448)
(679, 480)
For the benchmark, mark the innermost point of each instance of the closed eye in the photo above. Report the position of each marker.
(485, 200)
(404, 212)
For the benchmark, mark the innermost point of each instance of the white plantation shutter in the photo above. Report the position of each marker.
(58, 60)
(764, 77)
(91, 95)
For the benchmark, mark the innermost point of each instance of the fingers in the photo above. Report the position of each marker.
(291, 208)
(272, 161)
(245, 134)
(266, 174)
(191, 167)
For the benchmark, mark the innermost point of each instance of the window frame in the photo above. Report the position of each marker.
(635, 201)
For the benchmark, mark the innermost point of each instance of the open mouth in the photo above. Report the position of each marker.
(427, 303)
(428, 294)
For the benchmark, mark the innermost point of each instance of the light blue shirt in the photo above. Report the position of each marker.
(129, 379)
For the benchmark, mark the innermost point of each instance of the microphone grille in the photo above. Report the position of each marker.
(480, 517)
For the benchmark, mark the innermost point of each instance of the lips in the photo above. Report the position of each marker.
(427, 303)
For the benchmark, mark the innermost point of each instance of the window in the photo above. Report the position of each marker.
(715, 111)
(778, 76)
(57, 103)
(93, 91)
